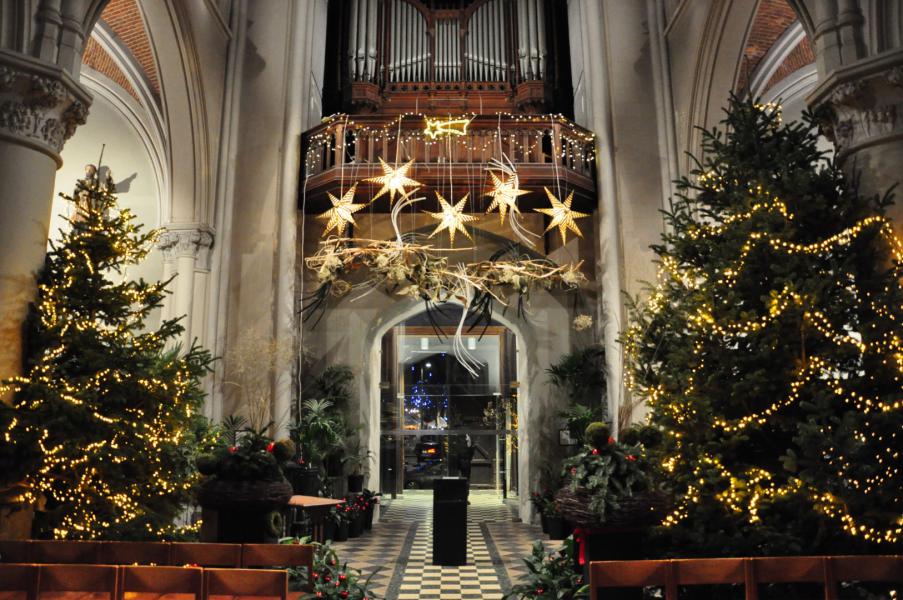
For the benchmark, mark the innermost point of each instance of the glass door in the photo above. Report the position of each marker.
(438, 419)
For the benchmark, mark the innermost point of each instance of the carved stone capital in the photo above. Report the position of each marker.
(865, 111)
(40, 106)
(194, 242)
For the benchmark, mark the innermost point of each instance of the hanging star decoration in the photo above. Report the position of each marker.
(445, 127)
(504, 194)
(394, 181)
(340, 215)
(452, 218)
(562, 215)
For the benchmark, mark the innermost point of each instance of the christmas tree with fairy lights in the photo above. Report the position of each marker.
(770, 350)
(102, 429)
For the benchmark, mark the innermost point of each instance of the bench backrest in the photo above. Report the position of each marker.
(750, 572)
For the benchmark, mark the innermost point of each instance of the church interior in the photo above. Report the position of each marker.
(452, 299)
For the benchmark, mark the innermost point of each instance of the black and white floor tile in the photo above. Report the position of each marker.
(399, 550)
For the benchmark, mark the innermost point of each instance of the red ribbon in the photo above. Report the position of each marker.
(580, 539)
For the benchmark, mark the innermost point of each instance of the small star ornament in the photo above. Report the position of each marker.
(562, 215)
(452, 218)
(504, 195)
(340, 215)
(394, 181)
(446, 127)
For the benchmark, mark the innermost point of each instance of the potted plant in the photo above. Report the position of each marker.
(540, 503)
(581, 374)
(357, 463)
(244, 483)
(339, 518)
(557, 526)
(550, 576)
(331, 580)
(355, 516)
(608, 496)
(317, 432)
(370, 500)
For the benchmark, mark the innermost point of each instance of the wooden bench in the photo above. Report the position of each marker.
(120, 582)
(174, 554)
(827, 571)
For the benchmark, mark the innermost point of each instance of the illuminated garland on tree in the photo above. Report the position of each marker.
(102, 429)
(770, 350)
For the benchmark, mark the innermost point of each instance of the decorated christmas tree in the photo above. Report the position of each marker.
(103, 426)
(770, 351)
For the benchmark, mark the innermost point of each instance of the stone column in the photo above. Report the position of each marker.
(859, 55)
(40, 107)
(186, 250)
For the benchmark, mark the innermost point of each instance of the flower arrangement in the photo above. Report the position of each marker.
(332, 580)
(602, 478)
(338, 516)
(242, 453)
(550, 576)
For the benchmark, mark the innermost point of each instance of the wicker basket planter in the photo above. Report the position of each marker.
(640, 510)
(253, 494)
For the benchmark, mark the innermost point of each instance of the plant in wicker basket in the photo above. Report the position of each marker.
(606, 483)
(243, 470)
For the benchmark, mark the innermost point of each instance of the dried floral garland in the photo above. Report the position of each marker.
(414, 269)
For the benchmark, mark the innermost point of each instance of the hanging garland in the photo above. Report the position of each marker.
(426, 272)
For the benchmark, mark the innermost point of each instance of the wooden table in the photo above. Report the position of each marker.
(317, 509)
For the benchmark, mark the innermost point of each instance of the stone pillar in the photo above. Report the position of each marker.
(859, 55)
(40, 107)
(186, 251)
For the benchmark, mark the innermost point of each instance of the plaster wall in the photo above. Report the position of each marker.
(705, 41)
(611, 55)
(251, 292)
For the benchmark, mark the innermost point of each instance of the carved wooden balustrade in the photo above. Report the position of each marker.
(547, 151)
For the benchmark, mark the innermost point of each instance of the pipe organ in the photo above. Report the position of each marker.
(466, 45)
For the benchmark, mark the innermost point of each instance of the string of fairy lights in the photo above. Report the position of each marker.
(744, 493)
(70, 475)
(396, 181)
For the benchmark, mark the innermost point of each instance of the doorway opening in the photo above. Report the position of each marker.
(432, 408)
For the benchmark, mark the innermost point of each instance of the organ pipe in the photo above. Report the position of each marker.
(370, 71)
(352, 40)
(413, 55)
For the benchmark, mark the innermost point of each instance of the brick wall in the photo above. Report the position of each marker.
(773, 17)
(124, 18)
(98, 59)
(799, 57)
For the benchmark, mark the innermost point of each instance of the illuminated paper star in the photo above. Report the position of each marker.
(445, 127)
(394, 180)
(452, 218)
(504, 195)
(340, 215)
(562, 215)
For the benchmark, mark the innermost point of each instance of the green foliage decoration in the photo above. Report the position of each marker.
(550, 576)
(246, 455)
(333, 580)
(607, 475)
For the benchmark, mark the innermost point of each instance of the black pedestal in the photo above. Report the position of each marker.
(450, 521)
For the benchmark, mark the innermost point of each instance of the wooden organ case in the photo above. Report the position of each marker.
(396, 56)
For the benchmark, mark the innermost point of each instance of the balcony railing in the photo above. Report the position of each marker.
(548, 151)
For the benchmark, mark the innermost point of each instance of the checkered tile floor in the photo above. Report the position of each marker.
(400, 550)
